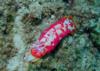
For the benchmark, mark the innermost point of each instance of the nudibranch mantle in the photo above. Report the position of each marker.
(49, 38)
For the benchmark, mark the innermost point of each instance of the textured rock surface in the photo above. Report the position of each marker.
(22, 21)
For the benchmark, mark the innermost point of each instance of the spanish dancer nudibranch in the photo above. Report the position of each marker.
(49, 39)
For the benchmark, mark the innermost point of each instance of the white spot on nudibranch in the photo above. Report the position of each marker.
(66, 22)
(59, 32)
(70, 28)
(58, 26)
(50, 36)
(43, 40)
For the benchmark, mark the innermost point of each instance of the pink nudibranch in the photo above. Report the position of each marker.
(50, 37)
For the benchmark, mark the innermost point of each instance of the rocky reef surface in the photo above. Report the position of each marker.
(22, 21)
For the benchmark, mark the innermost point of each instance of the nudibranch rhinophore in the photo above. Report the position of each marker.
(49, 39)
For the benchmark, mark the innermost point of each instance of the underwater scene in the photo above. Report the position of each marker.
(49, 35)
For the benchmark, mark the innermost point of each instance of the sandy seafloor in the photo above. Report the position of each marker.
(22, 21)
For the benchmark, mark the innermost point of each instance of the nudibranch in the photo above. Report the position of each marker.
(49, 39)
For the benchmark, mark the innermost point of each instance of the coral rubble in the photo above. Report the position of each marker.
(22, 21)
